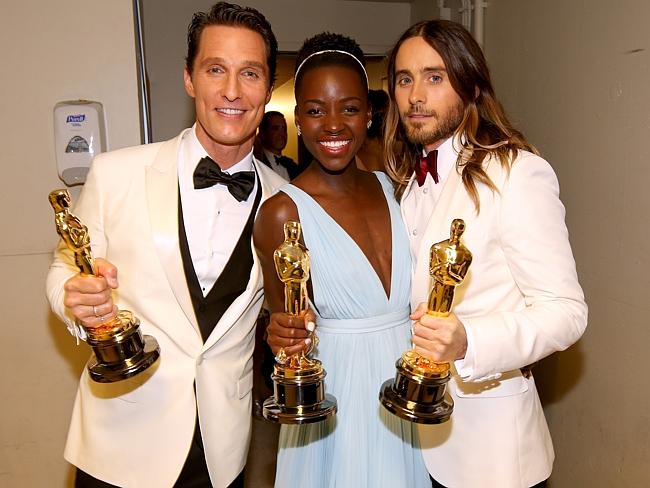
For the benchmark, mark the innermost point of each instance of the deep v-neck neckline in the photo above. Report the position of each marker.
(358, 248)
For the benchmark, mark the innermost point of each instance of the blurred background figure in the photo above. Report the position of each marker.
(272, 137)
(371, 155)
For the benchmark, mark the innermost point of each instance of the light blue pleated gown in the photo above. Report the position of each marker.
(362, 332)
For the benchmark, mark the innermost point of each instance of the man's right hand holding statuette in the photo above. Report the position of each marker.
(418, 391)
(120, 351)
(438, 335)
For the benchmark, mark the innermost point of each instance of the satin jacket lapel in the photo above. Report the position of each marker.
(406, 196)
(405, 200)
(162, 201)
(254, 286)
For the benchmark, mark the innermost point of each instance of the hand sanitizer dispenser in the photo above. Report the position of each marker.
(79, 135)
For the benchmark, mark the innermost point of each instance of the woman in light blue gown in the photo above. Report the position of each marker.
(360, 284)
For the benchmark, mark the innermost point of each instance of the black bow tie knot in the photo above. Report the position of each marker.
(208, 173)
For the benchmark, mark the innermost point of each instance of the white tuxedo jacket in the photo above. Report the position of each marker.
(137, 432)
(520, 302)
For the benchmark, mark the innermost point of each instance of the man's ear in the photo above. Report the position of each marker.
(269, 94)
(187, 81)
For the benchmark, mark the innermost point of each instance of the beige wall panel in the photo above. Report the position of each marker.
(51, 51)
(575, 75)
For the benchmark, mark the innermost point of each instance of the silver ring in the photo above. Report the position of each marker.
(281, 356)
(95, 311)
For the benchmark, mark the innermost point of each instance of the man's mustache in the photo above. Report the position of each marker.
(419, 110)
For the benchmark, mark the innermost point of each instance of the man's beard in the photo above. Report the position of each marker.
(418, 133)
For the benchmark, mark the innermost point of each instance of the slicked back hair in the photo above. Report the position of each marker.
(232, 15)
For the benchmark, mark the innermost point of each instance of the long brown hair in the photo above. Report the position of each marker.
(485, 129)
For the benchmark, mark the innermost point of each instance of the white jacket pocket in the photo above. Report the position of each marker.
(245, 384)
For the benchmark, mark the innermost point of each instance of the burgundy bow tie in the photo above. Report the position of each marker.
(428, 164)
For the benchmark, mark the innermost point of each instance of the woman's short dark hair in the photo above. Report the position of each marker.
(232, 15)
(327, 41)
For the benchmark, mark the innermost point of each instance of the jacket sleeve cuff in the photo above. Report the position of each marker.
(467, 365)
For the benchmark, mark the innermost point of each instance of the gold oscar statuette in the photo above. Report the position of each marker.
(120, 350)
(417, 393)
(298, 391)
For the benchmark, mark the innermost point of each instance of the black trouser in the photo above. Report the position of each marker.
(84, 480)
(435, 484)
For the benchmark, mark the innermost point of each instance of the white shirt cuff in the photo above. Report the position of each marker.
(77, 330)
(465, 366)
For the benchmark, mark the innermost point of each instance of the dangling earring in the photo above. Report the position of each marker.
(369, 124)
(298, 130)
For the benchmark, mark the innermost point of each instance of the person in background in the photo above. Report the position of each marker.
(176, 218)
(453, 153)
(360, 283)
(371, 155)
(272, 135)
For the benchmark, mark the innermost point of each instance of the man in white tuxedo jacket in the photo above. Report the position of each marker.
(183, 248)
(520, 300)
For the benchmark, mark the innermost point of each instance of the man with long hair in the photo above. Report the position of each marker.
(453, 153)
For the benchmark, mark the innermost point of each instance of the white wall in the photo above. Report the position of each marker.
(423, 10)
(575, 75)
(50, 51)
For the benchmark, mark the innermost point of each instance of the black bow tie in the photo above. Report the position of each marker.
(207, 174)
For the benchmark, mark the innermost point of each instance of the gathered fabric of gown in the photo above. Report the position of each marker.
(361, 334)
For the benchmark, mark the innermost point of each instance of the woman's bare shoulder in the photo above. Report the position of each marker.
(268, 231)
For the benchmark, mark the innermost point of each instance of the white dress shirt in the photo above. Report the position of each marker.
(426, 196)
(416, 211)
(213, 218)
(278, 168)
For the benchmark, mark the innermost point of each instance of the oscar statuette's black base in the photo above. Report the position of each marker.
(298, 396)
(417, 398)
(123, 354)
(304, 414)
